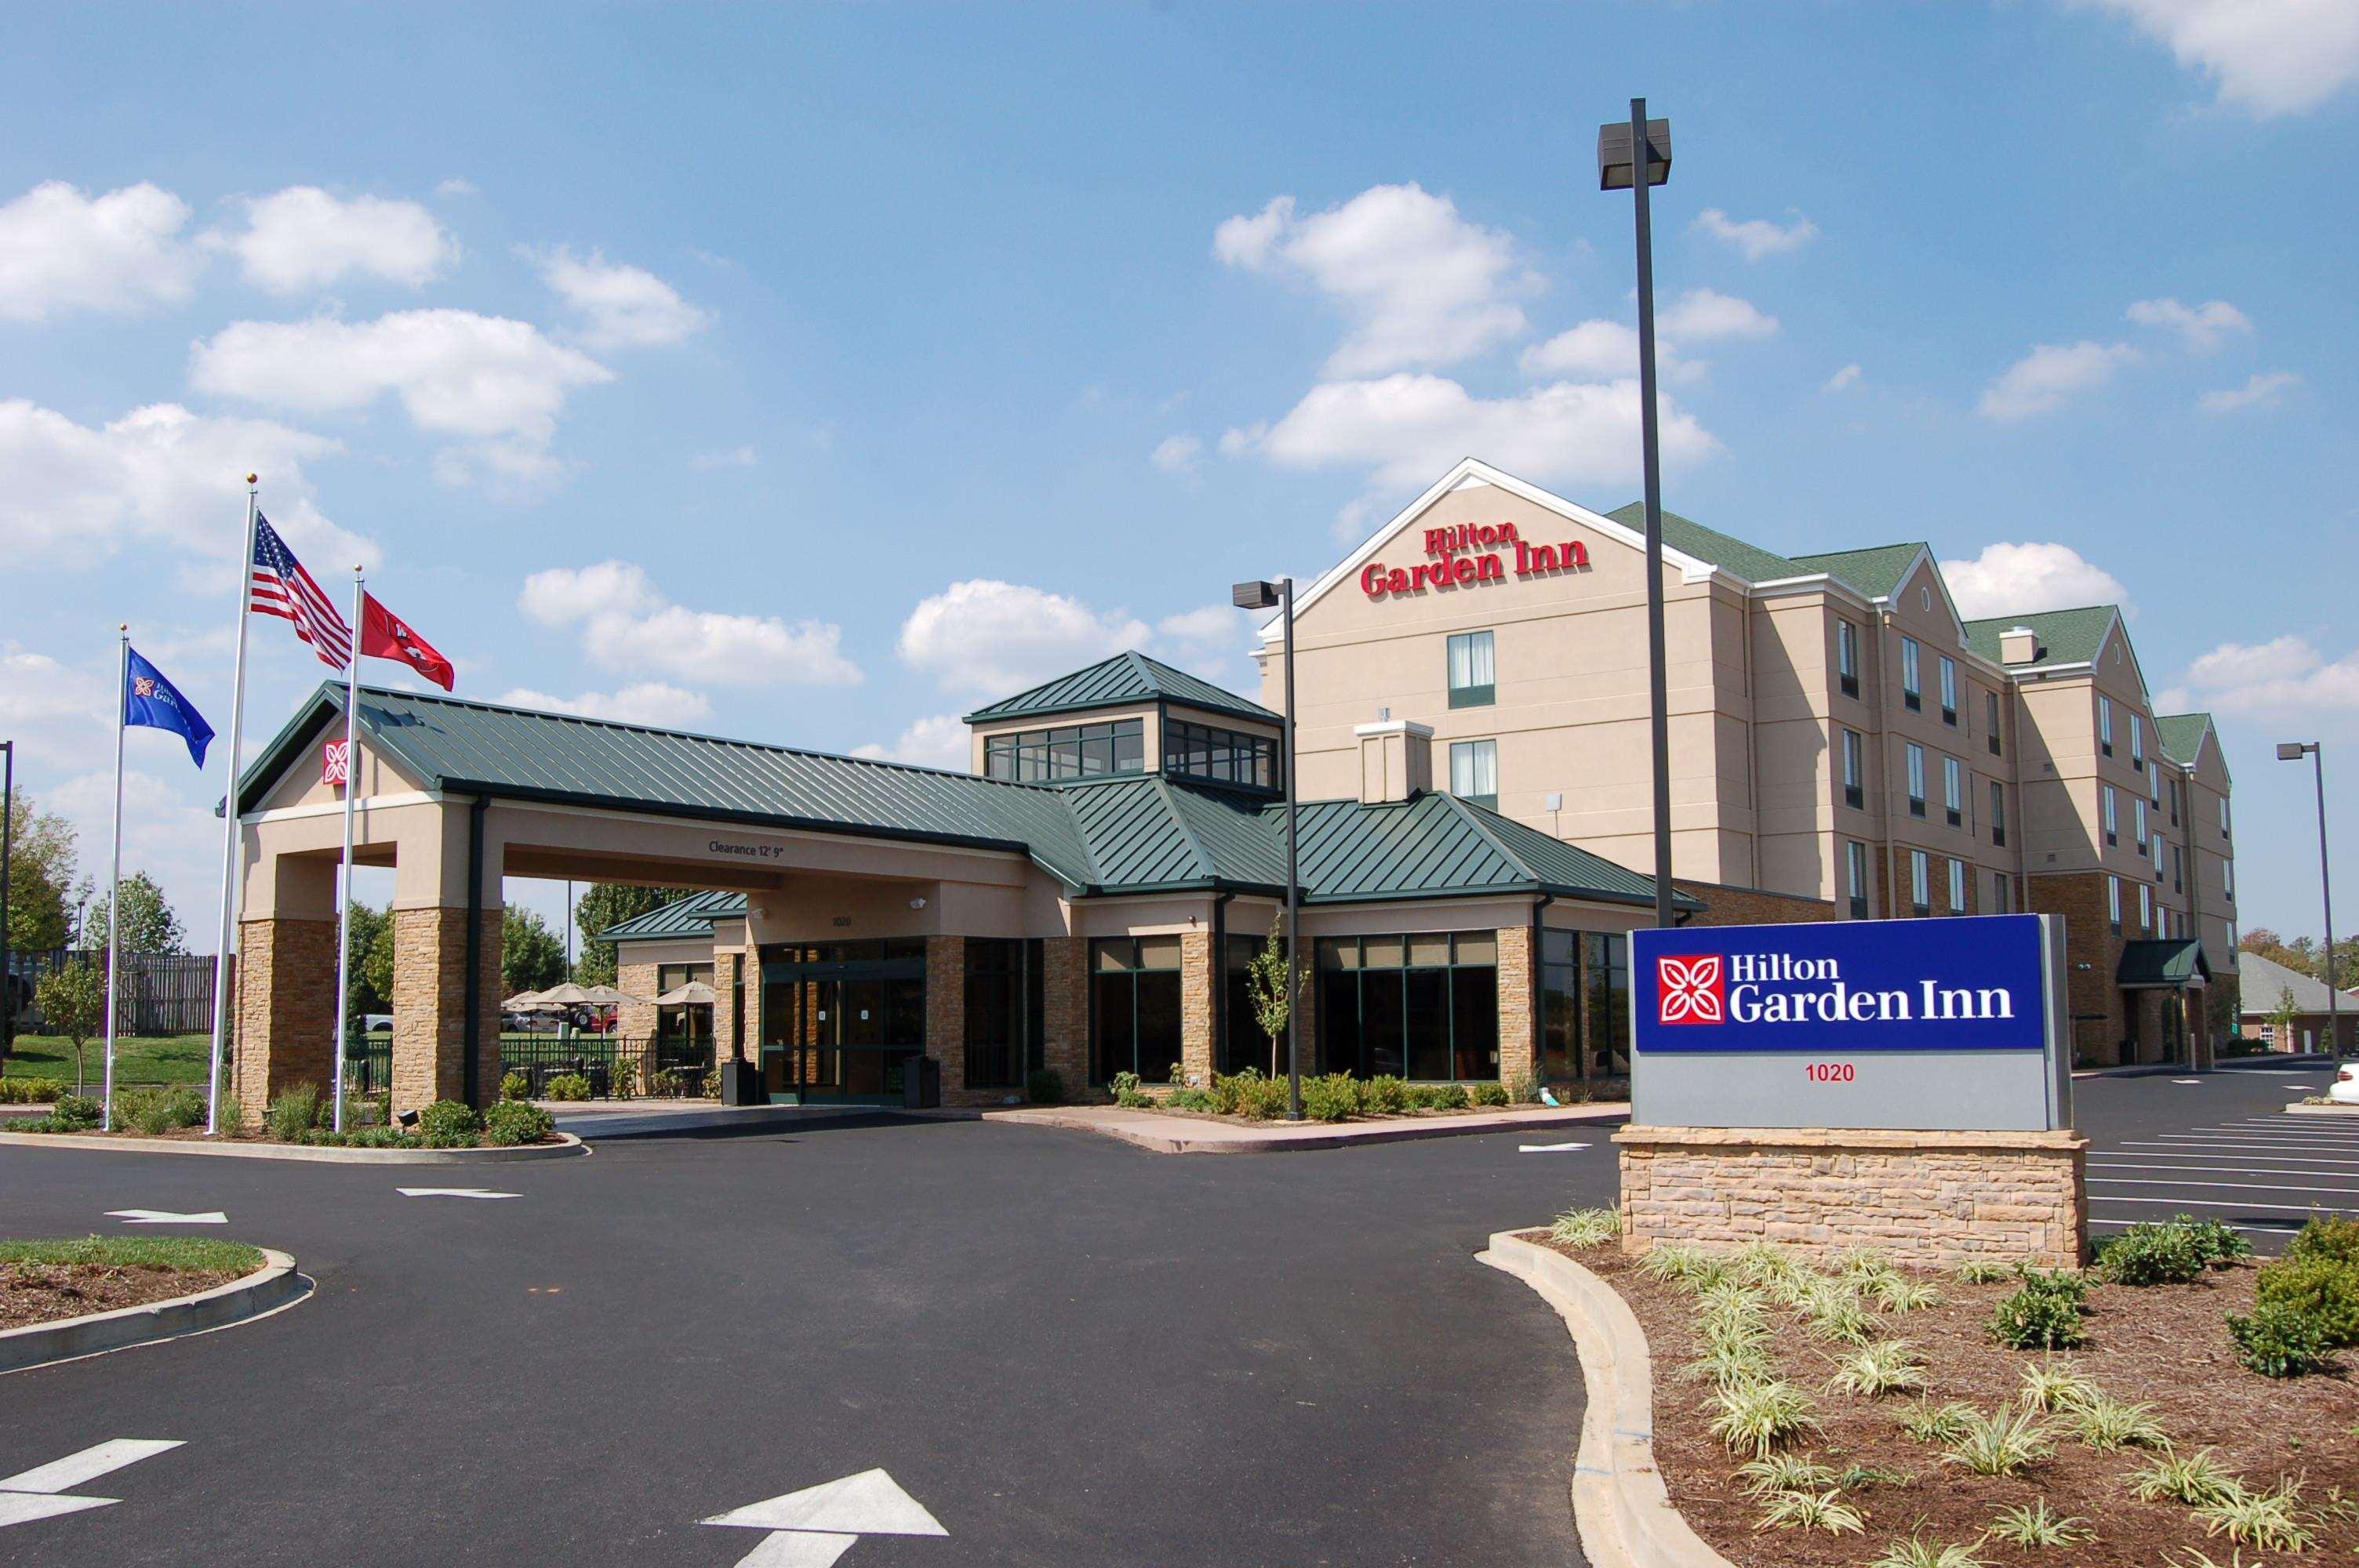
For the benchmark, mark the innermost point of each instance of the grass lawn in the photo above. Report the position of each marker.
(158, 1059)
(200, 1254)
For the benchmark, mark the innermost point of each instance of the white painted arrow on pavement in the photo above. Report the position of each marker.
(1546, 1148)
(40, 1492)
(813, 1527)
(453, 1193)
(166, 1217)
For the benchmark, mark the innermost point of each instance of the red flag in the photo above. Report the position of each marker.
(384, 635)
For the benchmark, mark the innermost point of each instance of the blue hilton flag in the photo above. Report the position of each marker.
(149, 699)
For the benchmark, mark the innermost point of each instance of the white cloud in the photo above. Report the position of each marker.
(726, 457)
(1757, 237)
(2201, 325)
(1846, 377)
(940, 741)
(1209, 626)
(1178, 454)
(71, 496)
(2266, 57)
(498, 383)
(621, 307)
(994, 637)
(642, 702)
(1422, 285)
(626, 624)
(2022, 580)
(303, 238)
(1602, 349)
(2048, 376)
(61, 251)
(455, 187)
(2259, 390)
(1704, 316)
(2287, 675)
(167, 832)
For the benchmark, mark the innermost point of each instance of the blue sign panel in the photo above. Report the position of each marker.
(1850, 986)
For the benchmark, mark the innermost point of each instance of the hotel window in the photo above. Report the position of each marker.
(1243, 1042)
(1005, 996)
(1423, 1006)
(1584, 1005)
(1847, 656)
(2137, 743)
(1953, 792)
(1949, 691)
(2146, 909)
(1474, 772)
(2223, 816)
(2114, 904)
(2177, 870)
(2228, 879)
(1915, 779)
(1957, 887)
(2105, 724)
(683, 1029)
(1912, 694)
(1998, 813)
(2113, 822)
(1920, 881)
(1854, 768)
(2174, 803)
(2138, 821)
(1473, 679)
(1990, 722)
(1073, 751)
(1855, 876)
(1999, 891)
(2153, 785)
(1134, 1008)
(1223, 756)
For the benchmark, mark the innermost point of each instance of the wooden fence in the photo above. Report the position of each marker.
(164, 993)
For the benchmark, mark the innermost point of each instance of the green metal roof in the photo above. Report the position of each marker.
(691, 916)
(2182, 734)
(1874, 571)
(1126, 679)
(2066, 636)
(1750, 562)
(2174, 962)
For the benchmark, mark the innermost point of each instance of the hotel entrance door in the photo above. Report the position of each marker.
(839, 1019)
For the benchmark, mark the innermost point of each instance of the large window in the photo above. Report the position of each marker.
(1920, 881)
(1912, 689)
(1134, 1008)
(1948, 689)
(2138, 821)
(1856, 877)
(2146, 909)
(1915, 779)
(1854, 768)
(684, 1024)
(2137, 742)
(2114, 904)
(1473, 680)
(1998, 892)
(1998, 813)
(1953, 792)
(1474, 772)
(1990, 722)
(1245, 1043)
(1847, 656)
(1225, 756)
(2105, 724)
(1004, 1005)
(2112, 815)
(1072, 752)
(1423, 1006)
(1584, 1004)
(1957, 887)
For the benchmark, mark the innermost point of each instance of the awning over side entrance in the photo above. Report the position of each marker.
(2152, 963)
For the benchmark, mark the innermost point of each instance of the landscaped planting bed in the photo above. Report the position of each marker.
(43, 1281)
(1856, 1414)
(299, 1116)
(1248, 1096)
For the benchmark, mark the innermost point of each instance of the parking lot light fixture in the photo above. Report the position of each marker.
(1279, 595)
(2293, 751)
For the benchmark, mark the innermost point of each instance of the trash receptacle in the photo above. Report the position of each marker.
(921, 1083)
(741, 1083)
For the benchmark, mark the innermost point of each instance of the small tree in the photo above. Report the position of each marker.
(72, 998)
(1266, 982)
(2281, 1017)
(149, 922)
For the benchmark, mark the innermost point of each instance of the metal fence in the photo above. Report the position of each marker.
(652, 1064)
(163, 993)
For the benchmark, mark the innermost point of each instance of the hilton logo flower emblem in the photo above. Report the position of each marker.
(1687, 989)
(143, 686)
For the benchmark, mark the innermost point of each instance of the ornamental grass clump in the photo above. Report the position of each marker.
(1834, 1311)
(294, 1113)
(2108, 1424)
(2271, 1520)
(1811, 1511)
(1760, 1417)
(2031, 1524)
(2194, 1479)
(1580, 1227)
(1726, 1363)
(2056, 1386)
(1783, 1472)
(1898, 1292)
(1943, 1424)
(2003, 1442)
(1916, 1552)
(1889, 1367)
(1676, 1264)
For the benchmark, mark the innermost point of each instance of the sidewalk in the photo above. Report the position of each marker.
(1171, 1134)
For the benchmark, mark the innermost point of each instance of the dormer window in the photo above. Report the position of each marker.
(1223, 756)
(1068, 752)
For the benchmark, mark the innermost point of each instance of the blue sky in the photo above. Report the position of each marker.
(811, 375)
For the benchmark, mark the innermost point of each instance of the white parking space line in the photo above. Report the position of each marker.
(2223, 1203)
(166, 1217)
(90, 1464)
(2231, 1170)
(2261, 1144)
(453, 1193)
(2221, 1186)
(2174, 1080)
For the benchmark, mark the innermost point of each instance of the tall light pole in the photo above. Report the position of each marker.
(2293, 751)
(7, 834)
(1634, 156)
(1263, 596)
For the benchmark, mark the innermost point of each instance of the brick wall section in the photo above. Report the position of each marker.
(1196, 1006)
(946, 1015)
(286, 1010)
(1933, 1199)
(728, 973)
(1065, 1008)
(2097, 1025)
(1518, 1004)
(430, 1007)
(635, 1020)
(1749, 907)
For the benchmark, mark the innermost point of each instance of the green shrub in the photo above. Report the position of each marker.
(624, 1080)
(514, 1122)
(184, 1107)
(567, 1086)
(1044, 1086)
(1249, 1094)
(229, 1115)
(367, 1110)
(1384, 1095)
(142, 1109)
(362, 1138)
(295, 1112)
(1132, 1098)
(1524, 1089)
(1488, 1094)
(67, 1113)
(29, 1091)
(1450, 1097)
(515, 1085)
(2044, 1312)
(1424, 1097)
(1334, 1097)
(2323, 1289)
(448, 1124)
(1188, 1099)
(1124, 1083)
(2152, 1254)
(2325, 1237)
(2220, 1242)
(2278, 1342)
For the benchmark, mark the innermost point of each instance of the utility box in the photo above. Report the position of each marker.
(921, 1083)
(741, 1083)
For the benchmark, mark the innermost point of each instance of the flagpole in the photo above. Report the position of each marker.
(231, 833)
(114, 876)
(344, 899)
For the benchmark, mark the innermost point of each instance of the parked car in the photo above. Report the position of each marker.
(376, 1023)
(2346, 1085)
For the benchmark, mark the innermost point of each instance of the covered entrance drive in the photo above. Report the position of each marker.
(840, 1018)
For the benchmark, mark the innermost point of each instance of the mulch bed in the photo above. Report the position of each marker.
(44, 1293)
(2162, 1345)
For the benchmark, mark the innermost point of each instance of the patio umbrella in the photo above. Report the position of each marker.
(523, 1001)
(601, 996)
(567, 995)
(695, 993)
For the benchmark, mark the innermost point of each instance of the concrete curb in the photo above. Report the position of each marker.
(2298, 1109)
(273, 1285)
(1619, 1503)
(1180, 1143)
(566, 1144)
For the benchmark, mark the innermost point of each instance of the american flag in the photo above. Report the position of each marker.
(280, 587)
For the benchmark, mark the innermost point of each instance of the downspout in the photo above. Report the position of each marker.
(472, 1034)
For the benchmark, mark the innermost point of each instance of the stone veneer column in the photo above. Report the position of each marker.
(1065, 1006)
(430, 1007)
(946, 1013)
(1196, 983)
(286, 1010)
(728, 974)
(1519, 1005)
(635, 1020)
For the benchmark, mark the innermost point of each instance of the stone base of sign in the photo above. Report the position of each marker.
(1933, 1199)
